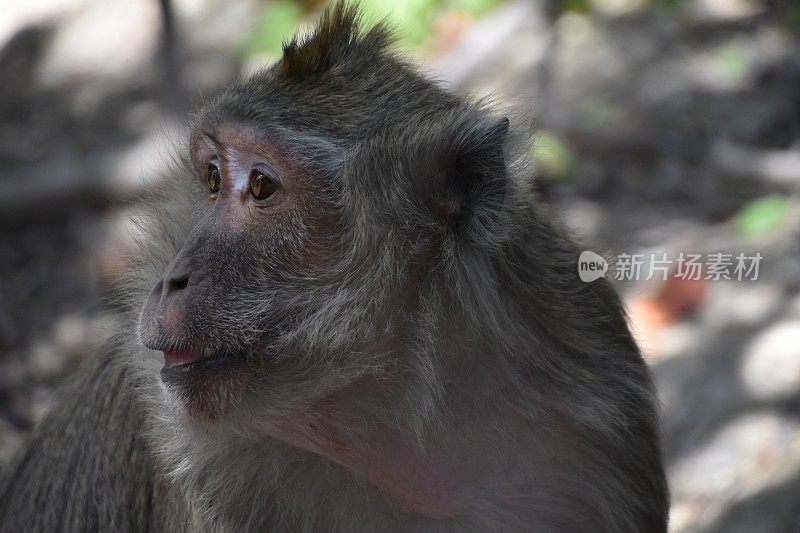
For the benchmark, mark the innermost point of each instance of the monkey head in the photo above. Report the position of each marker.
(333, 198)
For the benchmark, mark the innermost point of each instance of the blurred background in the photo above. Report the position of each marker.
(662, 126)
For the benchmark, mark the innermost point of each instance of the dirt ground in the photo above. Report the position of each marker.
(657, 130)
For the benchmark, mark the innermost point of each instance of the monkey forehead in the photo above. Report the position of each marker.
(224, 135)
(288, 149)
(344, 103)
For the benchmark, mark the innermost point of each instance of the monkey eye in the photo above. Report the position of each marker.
(214, 178)
(263, 185)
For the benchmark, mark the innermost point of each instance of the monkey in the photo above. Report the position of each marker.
(350, 312)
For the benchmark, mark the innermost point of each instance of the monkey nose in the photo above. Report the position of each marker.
(149, 319)
(165, 311)
(152, 304)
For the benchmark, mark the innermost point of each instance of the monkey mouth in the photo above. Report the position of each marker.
(188, 363)
(189, 357)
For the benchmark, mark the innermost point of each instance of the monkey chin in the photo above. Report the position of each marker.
(206, 383)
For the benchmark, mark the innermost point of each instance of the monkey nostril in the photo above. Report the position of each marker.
(177, 283)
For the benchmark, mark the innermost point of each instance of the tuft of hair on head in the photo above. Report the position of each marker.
(337, 35)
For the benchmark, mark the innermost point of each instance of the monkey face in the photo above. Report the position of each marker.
(324, 213)
(226, 311)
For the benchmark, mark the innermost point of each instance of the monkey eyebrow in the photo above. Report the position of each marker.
(211, 131)
(212, 137)
(308, 149)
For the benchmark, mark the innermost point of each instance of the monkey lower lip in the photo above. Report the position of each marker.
(187, 357)
(179, 364)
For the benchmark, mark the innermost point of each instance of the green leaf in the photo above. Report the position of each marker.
(277, 24)
(761, 216)
(733, 58)
(551, 156)
(581, 6)
(410, 17)
(473, 7)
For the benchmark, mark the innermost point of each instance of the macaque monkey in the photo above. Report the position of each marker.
(351, 313)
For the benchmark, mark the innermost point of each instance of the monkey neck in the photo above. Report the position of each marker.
(437, 477)
(434, 480)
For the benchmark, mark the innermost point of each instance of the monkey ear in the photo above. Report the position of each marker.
(475, 175)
